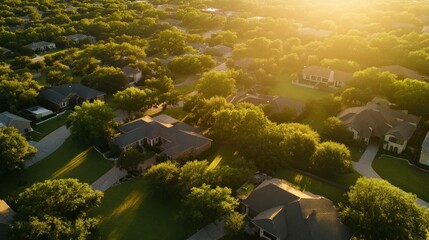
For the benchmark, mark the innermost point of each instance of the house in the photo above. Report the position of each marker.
(198, 47)
(175, 139)
(277, 103)
(376, 120)
(69, 95)
(81, 38)
(281, 212)
(39, 112)
(134, 75)
(8, 119)
(316, 77)
(42, 46)
(424, 155)
(6, 217)
(403, 72)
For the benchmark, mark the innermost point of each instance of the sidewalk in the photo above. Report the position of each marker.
(48, 145)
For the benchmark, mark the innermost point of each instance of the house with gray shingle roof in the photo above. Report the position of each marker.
(81, 38)
(377, 120)
(41, 46)
(8, 119)
(134, 75)
(316, 76)
(403, 72)
(281, 212)
(69, 95)
(424, 154)
(175, 139)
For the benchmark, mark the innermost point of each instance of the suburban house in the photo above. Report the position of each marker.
(69, 95)
(6, 217)
(174, 138)
(8, 119)
(276, 103)
(424, 155)
(316, 77)
(377, 120)
(134, 75)
(41, 46)
(81, 38)
(403, 72)
(280, 212)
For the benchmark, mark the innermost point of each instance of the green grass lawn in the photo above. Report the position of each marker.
(306, 183)
(41, 130)
(186, 89)
(133, 211)
(402, 175)
(71, 160)
(356, 152)
(284, 87)
(223, 155)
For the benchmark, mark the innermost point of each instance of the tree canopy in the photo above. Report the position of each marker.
(216, 84)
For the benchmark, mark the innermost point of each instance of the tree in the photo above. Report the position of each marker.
(193, 174)
(106, 79)
(133, 100)
(56, 209)
(287, 114)
(216, 84)
(91, 123)
(235, 226)
(20, 62)
(377, 210)
(130, 160)
(14, 149)
(333, 129)
(55, 78)
(204, 204)
(354, 97)
(412, 95)
(16, 95)
(168, 42)
(331, 158)
(191, 64)
(164, 176)
(205, 112)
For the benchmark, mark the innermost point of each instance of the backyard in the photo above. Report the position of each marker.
(402, 175)
(71, 160)
(133, 211)
(43, 129)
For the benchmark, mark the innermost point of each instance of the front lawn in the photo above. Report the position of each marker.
(221, 155)
(71, 160)
(402, 175)
(133, 211)
(43, 129)
(284, 87)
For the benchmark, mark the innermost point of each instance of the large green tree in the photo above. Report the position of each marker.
(216, 84)
(331, 158)
(377, 210)
(18, 94)
(14, 149)
(204, 204)
(56, 209)
(106, 79)
(91, 123)
(134, 100)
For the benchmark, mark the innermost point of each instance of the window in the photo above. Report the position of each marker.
(269, 235)
(313, 77)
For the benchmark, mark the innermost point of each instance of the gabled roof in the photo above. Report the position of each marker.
(278, 103)
(404, 72)
(376, 118)
(179, 136)
(325, 72)
(294, 215)
(78, 36)
(7, 118)
(36, 45)
(58, 94)
(130, 71)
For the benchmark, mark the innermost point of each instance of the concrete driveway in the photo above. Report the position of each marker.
(48, 145)
(213, 231)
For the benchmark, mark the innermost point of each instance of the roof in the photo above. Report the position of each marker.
(78, 36)
(36, 45)
(58, 94)
(376, 118)
(326, 72)
(303, 217)
(277, 102)
(6, 213)
(130, 71)
(404, 72)
(7, 118)
(426, 141)
(178, 136)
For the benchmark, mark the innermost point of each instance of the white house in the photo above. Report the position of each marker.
(41, 46)
(424, 155)
(315, 76)
(134, 75)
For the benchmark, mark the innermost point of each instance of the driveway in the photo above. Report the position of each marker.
(364, 167)
(48, 145)
(213, 231)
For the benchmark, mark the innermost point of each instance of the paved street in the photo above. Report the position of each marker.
(48, 144)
